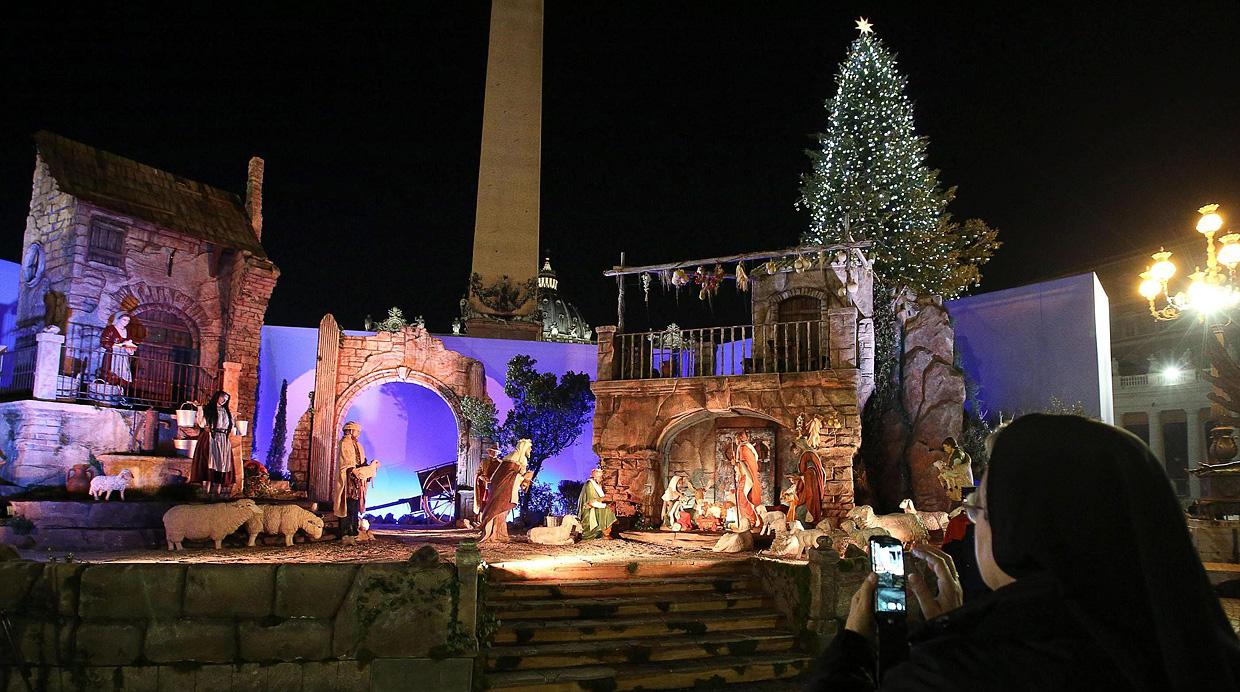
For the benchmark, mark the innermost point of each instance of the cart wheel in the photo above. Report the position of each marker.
(438, 497)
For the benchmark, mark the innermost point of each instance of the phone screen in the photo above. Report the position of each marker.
(887, 560)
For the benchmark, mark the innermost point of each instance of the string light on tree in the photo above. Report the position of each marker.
(869, 181)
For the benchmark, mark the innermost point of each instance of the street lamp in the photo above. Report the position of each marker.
(1210, 291)
(1210, 294)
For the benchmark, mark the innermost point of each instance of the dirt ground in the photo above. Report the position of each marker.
(390, 545)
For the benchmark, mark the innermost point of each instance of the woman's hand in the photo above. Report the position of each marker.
(950, 597)
(861, 611)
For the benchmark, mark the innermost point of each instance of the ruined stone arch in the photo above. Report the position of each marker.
(348, 365)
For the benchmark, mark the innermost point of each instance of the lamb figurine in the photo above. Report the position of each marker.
(104, 485)
(859, 537)
(802, 540)
(738, 539)
(908, 528)
(773, 521)
(556, 535)
(214, 521)
(284, 520)
(934, 521)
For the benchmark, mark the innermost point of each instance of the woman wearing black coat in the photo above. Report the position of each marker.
(1096, 583)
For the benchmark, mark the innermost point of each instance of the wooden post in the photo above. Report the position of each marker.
(620, 298)
(320, 474)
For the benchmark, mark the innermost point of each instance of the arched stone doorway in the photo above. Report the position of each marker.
(636, 421)
(699, 447)
(348, 365)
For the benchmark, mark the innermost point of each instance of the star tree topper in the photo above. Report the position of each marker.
(864, 26)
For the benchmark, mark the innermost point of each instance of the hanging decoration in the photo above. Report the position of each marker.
(646, 289)
(800, 264)
(680, 278)
(742, 279)
(771, 267)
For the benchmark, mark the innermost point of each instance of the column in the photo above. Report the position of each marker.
(47, 364)
(1196, 450)
(1156, 436)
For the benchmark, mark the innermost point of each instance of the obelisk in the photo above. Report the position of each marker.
(501, 299)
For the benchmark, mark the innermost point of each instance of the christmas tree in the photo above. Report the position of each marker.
(276, 462)
(869, 181)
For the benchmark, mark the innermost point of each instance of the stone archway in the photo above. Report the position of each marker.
(634, 421)
(348, 365)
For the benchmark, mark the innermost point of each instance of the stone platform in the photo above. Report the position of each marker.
(675, 539)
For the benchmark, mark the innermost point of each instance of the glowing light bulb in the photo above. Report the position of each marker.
(1162, 269)
(1150, 287)
(1210, 220)
(1229, 253)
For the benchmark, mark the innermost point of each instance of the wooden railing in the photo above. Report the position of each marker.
(782, 347)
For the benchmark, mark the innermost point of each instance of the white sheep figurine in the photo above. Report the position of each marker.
(773, 521)
(908, 528)
(284, 520)
(214, 521)
(802, 539)
(934, 521)
(849, 533)
(556, 535)
(104, 485)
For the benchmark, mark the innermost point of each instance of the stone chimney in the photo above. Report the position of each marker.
(254, 196)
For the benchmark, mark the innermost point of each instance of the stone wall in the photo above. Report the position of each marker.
(41, 440)
(241, 626)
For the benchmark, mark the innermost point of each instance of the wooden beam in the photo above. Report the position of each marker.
(622, 270)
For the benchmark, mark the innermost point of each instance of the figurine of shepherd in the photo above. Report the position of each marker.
(508, 481)
(596, 517)
(354, 475)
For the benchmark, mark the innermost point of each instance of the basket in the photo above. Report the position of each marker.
(186, 417)
(185, 447)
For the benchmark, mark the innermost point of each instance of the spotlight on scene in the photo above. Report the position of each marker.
(1171, 373)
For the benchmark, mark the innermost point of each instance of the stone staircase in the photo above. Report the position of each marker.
(666, 626)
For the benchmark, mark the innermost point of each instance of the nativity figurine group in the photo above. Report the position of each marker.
(497, 489)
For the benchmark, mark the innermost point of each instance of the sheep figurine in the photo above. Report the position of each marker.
(284, 520)
(214, 521)
(934, 521)
(859, 537)
(802, 539)
(556, 535)
(773, 521)
(104, 485)
(908, 528)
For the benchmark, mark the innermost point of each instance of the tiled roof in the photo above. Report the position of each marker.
(134, 189)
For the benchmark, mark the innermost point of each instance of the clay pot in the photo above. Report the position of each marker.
(78, 477)
(1222, 444)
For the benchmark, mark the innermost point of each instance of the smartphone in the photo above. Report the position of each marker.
(887, 561)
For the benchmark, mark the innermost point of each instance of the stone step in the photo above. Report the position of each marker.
(611, 606)
(536, 631)
(634, 651)
(668, 675)
(592, 588)
(576, 567)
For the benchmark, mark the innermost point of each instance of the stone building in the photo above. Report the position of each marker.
(105, 236)
(672, 402)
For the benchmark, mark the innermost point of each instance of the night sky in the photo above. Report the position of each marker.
(670, 130)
